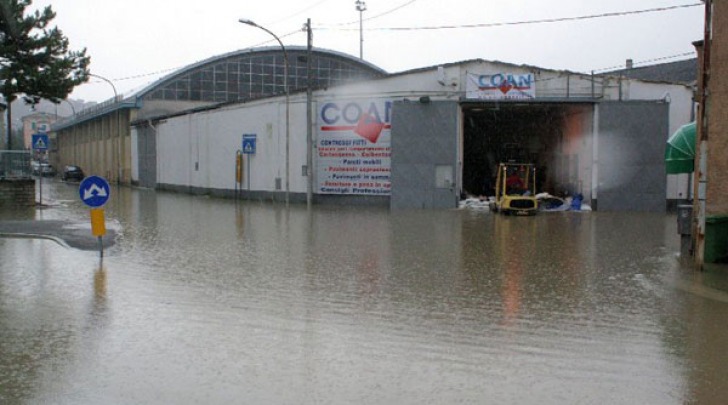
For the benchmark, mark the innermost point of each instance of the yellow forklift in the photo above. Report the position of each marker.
(515, 189)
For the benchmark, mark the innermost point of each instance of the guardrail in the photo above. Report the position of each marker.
(15, 164)
(90, 111)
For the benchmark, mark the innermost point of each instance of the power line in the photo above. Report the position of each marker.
(158, 72)
(296, 14)
(621, 67)
(139, 76)
(390, 11)
(527, 22)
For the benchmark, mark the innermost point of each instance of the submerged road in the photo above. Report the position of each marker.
(67, 233)
(203, 300)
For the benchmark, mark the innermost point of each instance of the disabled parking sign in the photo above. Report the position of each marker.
(94, 191)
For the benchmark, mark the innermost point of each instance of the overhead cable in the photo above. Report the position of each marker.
(526, 22)
(622, 67)
(390, 11)
(139, 76)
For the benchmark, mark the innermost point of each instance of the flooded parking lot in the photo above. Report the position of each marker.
(211, 301)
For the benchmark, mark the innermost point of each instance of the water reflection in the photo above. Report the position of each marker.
(226, 302)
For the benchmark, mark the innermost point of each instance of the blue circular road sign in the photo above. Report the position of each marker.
(94, 191)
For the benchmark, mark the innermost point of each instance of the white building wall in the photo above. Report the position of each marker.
(198, 150)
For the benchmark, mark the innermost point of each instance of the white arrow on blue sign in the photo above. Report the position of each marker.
(94, 191)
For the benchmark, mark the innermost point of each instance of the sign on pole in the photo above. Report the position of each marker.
(40, 141)
(94, 191)
(249, 141)
(98, 224)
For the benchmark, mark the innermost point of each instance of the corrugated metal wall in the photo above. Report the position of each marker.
(631, 156)
(147, 152)
(424, 154)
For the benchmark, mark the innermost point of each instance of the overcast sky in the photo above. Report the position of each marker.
(134, 42)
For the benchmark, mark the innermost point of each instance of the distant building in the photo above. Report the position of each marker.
(36, 123)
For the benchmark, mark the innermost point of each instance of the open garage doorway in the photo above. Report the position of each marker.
(555, 137)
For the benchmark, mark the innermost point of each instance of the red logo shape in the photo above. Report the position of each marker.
(505, 87)
(369, 128)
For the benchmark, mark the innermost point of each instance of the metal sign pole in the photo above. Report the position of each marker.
(98, 227)
(94, 192)
(238, 168)
(40, 143)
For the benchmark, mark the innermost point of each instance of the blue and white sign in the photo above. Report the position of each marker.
(94, 191)
(40, 141)
(249, 143)
(501, 86)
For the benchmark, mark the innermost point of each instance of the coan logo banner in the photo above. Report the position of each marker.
(354, 147)
(500, 86)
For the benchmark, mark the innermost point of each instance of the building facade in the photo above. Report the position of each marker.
(426, 137)
(97, 138)
(710, 208)
(416, 139)
(36, 123)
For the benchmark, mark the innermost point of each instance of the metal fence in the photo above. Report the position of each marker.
(15, 164)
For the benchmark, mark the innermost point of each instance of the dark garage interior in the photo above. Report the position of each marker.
(550, 135)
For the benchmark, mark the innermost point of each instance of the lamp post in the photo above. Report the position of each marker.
(118, 127)
(285, 89)
(309, 118)
(361, 7)
(71, 105)
(73, 135)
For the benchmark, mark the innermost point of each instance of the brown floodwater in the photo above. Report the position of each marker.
(210, 301)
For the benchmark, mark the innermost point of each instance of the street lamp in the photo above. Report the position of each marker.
(72, 107)
(285, 89)
(118, 127)
(72, 136)
(361, 7)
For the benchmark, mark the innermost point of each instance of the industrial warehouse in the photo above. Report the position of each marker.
(233, 125)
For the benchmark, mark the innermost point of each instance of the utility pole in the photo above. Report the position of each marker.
(117, 149)
(288, 100)
(361, 7)
(309, 119)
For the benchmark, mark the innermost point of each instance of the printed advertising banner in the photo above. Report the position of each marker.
(500, 86)
(354, 147)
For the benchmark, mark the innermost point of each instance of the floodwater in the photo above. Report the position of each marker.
(207, 301)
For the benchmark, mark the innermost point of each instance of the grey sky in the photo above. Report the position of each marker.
(151, 38)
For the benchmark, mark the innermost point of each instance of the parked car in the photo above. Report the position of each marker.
(42, 169)
(72, 173)
(47, 170)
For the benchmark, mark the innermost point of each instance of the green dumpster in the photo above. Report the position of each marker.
(716, 238)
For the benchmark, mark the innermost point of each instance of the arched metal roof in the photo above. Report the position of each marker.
(347, 69)
(367, 69)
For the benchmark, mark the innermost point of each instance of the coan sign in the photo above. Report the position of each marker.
(501, 86)
(367, 120)
(354, 147)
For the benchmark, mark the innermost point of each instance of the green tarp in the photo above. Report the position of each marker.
(680, 150)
